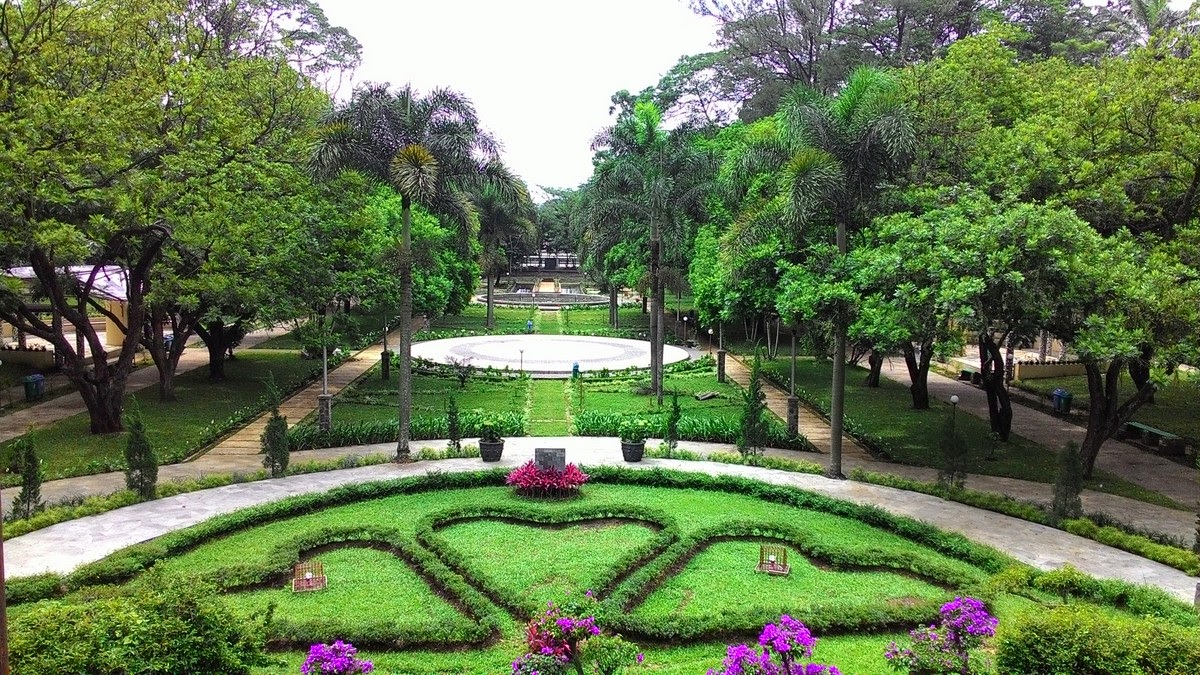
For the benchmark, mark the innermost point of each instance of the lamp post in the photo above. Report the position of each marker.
(953, 410)
(324, 399)
(793, 402)
(721, 353)
(522, 351)
(685, 331)
(710, 334)
(3, 603)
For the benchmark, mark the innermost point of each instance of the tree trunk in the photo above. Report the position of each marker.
(875, 361)
(1139, 372)
(656, 311)
(491, 315)
(405, 326)
(918, 373)
(659, 345)
(216, 338)
(837, 400)
(1106, 413)
(991, 370)
(613, 309)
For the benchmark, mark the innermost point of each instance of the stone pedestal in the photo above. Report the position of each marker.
(720, 365)
(324, 411)
(550, 458)
(793, 416)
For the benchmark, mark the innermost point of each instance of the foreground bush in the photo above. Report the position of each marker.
(1080, 640)
(165, 627)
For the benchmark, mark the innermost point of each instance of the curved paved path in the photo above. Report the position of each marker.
(65, 546)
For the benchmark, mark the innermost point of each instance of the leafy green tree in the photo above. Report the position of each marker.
(29, 499)
(141, 464)
(431, 150)
(454, 424)
(276, 452)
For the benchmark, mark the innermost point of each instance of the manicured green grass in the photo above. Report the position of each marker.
(175, 429)
(474, 317)
(362, 583)
(372, 398)
(621, 396)
(1176, 406)
(540, 563)
(715, 582)
(547, 411)
(912, 436)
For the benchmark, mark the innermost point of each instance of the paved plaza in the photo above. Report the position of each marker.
(545, 354)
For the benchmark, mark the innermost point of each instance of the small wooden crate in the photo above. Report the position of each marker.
(309, 576)
(772, 559)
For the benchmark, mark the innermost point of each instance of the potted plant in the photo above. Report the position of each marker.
(633, 438)
(491, 446)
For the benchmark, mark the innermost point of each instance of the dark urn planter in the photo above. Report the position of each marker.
(490, 451)
(632, 452)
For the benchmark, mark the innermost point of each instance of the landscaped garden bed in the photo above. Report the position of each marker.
(439, 573)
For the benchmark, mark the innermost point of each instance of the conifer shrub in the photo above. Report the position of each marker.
(276, 449)
(141, 464)
(29, 499)
(752, 437)
(1068, 484)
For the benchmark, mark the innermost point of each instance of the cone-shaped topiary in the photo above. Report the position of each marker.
(141, 465)
(29, 500)
(276, 452)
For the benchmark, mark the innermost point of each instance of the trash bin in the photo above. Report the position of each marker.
(575, 370)
(1065, 402)
(35, 387)
(168, 341)
(1056, 399)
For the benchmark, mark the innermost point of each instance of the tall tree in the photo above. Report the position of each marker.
(655, 179)
(504, 217)
(845, 148)
(431, 150)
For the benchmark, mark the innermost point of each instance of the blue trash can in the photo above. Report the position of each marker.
(1056, 398)
(35, 387)
(168, 341)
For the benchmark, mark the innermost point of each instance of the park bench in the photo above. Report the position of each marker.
(1153, 436)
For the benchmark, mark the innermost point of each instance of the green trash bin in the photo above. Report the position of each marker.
(1066, 402)
(35, 387)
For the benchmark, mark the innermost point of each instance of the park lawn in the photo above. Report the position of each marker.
(373, 399)
(913, 436)
(547, 410)
(177, 429)
(1176, 406)
(351, 328)
(619, 396)
(595, 319)
(474, 318)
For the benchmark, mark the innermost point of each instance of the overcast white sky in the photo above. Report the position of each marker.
(540, 72)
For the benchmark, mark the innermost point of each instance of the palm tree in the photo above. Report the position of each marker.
(652, 178)
(431, 150)
(503, 218)
(843, 149)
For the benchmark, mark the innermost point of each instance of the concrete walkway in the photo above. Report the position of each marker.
(61, 407)
(66, 546)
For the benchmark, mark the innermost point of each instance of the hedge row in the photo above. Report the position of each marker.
(1180, 559)
(422, 428)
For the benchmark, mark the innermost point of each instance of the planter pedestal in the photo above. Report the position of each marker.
(632, 452)
(490, 451)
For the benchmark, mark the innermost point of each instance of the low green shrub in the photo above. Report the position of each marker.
(990, 501)
(1179, 558)
(164, 627)
(1078, 640)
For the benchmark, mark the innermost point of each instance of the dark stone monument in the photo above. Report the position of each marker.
(550, 458)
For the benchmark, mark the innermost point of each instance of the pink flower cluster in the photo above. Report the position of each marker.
(533, 481)
(789, 641)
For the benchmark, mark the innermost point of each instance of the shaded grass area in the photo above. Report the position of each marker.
(372, 398)
(474, 317)
(351, 329)
(176, 429)
(912, 436)
(1176, 406)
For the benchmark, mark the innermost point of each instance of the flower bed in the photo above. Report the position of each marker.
(530, 480)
